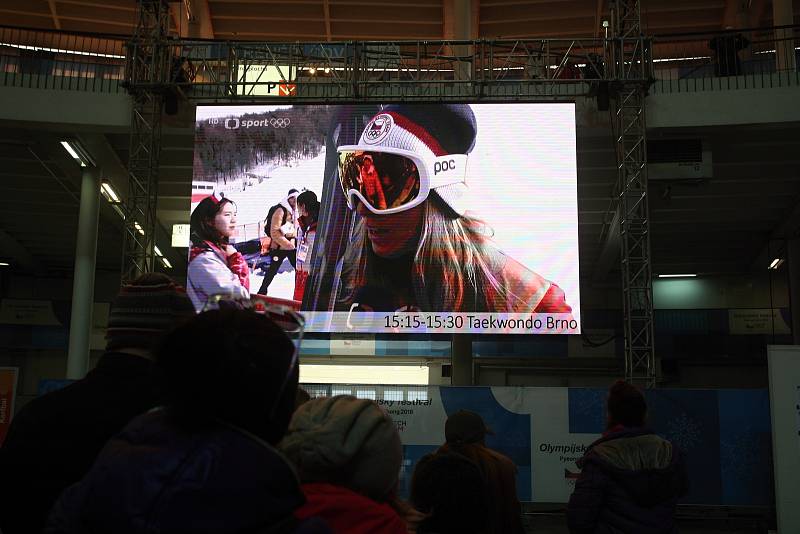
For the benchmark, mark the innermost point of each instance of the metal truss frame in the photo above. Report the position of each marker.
(632, 75)
(240, 72)
(147, 75)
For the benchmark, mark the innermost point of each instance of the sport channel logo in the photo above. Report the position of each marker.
(236, 123)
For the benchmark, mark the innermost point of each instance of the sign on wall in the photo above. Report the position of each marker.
(8, 393)
(724, 434)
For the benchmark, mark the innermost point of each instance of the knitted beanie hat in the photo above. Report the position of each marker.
(146, 309)
(431, 130)
(345, 441)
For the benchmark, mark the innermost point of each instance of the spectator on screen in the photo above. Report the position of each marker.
(215, 266)
(308, 209)
(416, 237)
(204, 462)
(280, 224)
(465, 433)
(55, 438)
(630, 479)
(348, 454)
(450, 489)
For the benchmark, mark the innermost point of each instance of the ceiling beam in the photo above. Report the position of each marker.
(54, 13)
(327, 9)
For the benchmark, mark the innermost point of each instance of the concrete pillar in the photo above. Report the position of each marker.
(458, 25)
(794, 286)
(80, 328)
(783, 15)
(461, 360)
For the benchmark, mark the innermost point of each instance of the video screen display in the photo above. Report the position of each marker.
(394, 218)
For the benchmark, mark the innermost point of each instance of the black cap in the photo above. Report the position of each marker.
(465, 426)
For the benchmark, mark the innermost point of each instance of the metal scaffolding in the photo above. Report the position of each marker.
(630, 77)
(241, 72)
(147, 73)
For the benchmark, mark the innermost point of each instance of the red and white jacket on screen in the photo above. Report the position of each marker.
(211, 273)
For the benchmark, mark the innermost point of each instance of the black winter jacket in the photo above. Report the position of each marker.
(55, 438)
(630, 483)
(162, 475)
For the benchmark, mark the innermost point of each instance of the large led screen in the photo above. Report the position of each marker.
(396, 218)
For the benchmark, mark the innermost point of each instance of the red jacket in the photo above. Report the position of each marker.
(348, 512)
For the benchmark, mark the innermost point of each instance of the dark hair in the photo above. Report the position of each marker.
(201, 223)
(233, 365)
(626, 405)
(309, 200)
(292, 190)
(452, 489)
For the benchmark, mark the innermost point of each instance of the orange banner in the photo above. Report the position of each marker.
(8, 392)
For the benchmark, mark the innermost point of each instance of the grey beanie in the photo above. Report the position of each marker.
(345, 441)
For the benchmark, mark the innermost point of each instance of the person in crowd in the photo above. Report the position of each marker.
(406, 178)
(215, 266)
(308, 210)
(630, 479)
(465, 433)
(204, 461)
(54, 439)
(281, 225)
(726, 48)
(348, 455)
(451, 490)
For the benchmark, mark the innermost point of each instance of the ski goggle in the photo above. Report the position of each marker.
(391, 180)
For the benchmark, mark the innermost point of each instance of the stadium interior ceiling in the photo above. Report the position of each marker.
(721, 223)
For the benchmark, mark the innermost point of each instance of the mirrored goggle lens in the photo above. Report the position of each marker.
(386, 181)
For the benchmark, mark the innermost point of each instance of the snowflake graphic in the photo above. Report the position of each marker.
(684, 432)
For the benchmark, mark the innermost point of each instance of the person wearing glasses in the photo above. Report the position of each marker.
(416, 247)
(215, 266)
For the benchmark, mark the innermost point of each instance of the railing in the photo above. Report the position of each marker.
(736, 59)
(54, 60)
(534, 68)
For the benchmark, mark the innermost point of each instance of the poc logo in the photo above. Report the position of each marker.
(441, 166)
(231, 124)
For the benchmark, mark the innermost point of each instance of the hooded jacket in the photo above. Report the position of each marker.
(158, 475)
(630, 483)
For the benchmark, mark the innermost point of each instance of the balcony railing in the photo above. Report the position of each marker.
(491, 69)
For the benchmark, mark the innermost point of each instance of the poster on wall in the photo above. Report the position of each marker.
(8, 393)
(724, 434)
(391, 218)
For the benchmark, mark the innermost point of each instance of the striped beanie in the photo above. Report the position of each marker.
(146, 309)
(427, 129)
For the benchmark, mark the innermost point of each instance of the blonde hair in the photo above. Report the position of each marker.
(450, 270)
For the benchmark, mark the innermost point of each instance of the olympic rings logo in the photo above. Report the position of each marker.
(280, 123)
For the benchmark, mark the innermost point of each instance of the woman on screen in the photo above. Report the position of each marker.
(416, 247)
(215, 267)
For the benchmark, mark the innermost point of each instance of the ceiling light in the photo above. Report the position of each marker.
(326, 70)
(687, 275)
(109, 193)
(776, 263)
(4, 264)
(78, 153)
(312, 70)
(166, 263)
(157, 251)
(138, 227)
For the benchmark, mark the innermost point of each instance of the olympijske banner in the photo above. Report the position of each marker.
(546, 430)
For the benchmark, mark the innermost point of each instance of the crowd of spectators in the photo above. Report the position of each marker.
(196, 423)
